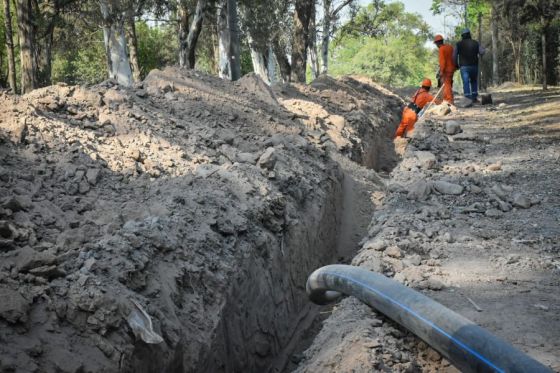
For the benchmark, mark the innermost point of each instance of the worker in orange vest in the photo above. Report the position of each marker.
(410, 113)
(447, 67)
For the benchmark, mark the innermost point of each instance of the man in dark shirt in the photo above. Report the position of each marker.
(466, 57)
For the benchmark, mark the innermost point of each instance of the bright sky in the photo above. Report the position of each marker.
(439, 23)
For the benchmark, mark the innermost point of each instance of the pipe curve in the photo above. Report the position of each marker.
(465, 344)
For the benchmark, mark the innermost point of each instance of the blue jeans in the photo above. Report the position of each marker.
(469, 75)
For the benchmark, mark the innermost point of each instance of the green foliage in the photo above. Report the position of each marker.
(4, 52)
(455, 8)
(379, 20)
(246, 61)
(157, 47)
(476, 7)
(397, 61)
(205, 52)
(437, 7)
(84, 65)
(385, 43)
(90, 64)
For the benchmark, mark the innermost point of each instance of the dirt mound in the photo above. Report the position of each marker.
(257, 88)
(353, 115)
(189, 203)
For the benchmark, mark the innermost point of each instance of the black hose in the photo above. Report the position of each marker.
(465, 344)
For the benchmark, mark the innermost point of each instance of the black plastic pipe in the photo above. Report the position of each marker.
(466, 345)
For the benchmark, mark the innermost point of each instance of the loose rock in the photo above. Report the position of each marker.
(393, 252)
(268, 159)
(419, 191)
(521, 201)
(426, 159)
(495, 166)
(452, 127)
(13, 307)
(375, 244)
(445, 187)
(92, 176)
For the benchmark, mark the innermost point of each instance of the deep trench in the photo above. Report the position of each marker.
(268, 320)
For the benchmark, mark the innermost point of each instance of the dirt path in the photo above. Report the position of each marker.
(488, 250)
(511, 266)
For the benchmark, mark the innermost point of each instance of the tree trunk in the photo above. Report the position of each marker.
(133, 47)
(43, 29)
(10, 47)
(326, 36)
(313, 58)
(259, 64)
(235, 47)
(272, 75)
(282, 58)
(258, 58)
(214, 53)
(325, 55)
(480, 41)
(44, 59)
(27, 46)
(194, 33)
(543, 42)
(183, 13)
(224, 40)
(118, 65)
(495, 72)
(229, 65)
(302, 17)
(517, 61)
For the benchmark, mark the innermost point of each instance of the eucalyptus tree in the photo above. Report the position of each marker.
(303, 10)
(543, 13)
(331, 14)
(229, 64)
(261, 23)
(113, 18)
(27, 45)
(10, 46)
(191, 15)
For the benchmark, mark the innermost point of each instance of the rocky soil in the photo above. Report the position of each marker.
(171, 227)
(471, 218)
(326, 111)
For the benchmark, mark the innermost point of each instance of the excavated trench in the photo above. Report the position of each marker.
(199, 205)
(267, 313)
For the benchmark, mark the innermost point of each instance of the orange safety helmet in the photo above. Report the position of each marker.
(438, 38)
(426, 83)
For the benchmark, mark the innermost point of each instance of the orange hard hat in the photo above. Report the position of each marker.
(438, 38)
(426, 82)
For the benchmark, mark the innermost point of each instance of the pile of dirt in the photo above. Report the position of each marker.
(352, 115)
(186, 210)
(471, 219)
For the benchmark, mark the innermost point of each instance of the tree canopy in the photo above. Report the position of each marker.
(85, 42)
(385, 42)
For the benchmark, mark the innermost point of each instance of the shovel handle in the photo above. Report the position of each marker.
(434, 99)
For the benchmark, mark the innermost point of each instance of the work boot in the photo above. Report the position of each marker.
(475, 100)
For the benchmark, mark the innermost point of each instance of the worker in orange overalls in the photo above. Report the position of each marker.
(410, 113)
(446, 67)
